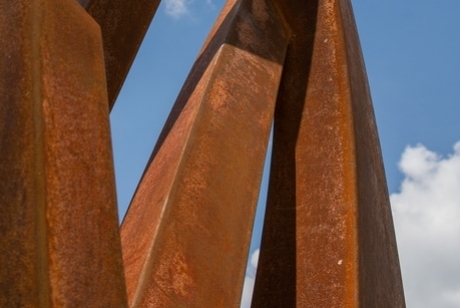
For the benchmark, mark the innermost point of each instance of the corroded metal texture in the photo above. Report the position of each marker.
(187, 232)
(59, 235)
(328, 238)
(123, 24)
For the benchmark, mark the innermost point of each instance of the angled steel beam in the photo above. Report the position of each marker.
(186, 234)
(328, 238)
(123, 24)
(58, 216)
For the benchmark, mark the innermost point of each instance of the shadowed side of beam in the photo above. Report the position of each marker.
(380, 283)
(328, 238)
(58, 215)
(123, 25)
(186, 234)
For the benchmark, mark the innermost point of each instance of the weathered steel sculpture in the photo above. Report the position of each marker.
(328, 238)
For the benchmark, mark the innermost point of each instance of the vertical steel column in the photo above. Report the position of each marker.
(186, 234)
(328, 239)
(58, 217)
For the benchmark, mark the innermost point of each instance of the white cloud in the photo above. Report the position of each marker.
(427, 221)
(249, 280)
(180, 8)
(177, 8)
(254, 260)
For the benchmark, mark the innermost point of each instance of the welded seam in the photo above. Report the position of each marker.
(145, 275)
(37, 35)
(355, 287)
(146, 271)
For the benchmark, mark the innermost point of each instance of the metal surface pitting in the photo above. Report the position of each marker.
(328, 238)
(186, 234)
(60, 244)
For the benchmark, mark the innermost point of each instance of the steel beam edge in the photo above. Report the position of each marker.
(123, 25)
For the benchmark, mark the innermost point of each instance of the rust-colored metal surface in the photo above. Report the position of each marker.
(187, 232)
(328, 238)
(60, 244)
(123, 24)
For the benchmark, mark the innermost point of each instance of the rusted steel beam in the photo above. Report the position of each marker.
(186, 234)
(328, 238)
(58, 216)
(123, 24)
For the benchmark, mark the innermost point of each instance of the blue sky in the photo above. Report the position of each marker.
(411, 49)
